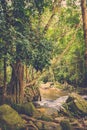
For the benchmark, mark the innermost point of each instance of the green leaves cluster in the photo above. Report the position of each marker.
(18, 37)
(22, 38)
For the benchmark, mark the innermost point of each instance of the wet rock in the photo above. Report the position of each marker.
(84, 97)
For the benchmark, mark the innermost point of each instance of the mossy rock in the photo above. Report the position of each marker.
(26, 108)
(48, 111)
(65, 125)
(46, 118)
(9, 118)
(77, 105)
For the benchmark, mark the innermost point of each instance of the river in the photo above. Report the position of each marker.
(52, 97)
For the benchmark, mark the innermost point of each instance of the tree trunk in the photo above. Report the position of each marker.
(84, 17)
(16, 83)
(5, 79)
(27, 74)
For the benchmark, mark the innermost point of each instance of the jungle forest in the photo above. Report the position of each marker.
(43, 64)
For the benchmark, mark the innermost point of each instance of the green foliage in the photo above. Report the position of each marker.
(39, 5)
(70, 67)
(19, 42)
(41, 54)
(22, 38)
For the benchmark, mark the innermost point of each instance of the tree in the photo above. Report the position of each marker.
(26, 45)
(84, 17)
(5, 39)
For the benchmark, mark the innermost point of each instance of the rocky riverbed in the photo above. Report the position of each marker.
(63, 111)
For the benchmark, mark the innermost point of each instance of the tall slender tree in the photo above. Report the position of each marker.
(84, 17)
(5, 39)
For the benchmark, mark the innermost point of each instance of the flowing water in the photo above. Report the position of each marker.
(52, 97)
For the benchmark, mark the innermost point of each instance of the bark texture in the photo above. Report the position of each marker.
(84, 17)
(16, 84)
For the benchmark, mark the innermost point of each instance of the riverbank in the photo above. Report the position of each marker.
(59, 109)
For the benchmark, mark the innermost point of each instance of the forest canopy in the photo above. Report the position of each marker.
(44, 35)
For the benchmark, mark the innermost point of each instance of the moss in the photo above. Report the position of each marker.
(27, 108)
(9, 117)
(77, 105)
(46, 118)
(65, 125)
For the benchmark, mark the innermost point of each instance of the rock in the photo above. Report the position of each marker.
(48, 111)
(76, 105)
(51, 126)
(31, 126)
(39, 125)
(27, 118)
(10, 118)
(26, 108)
(46, 114)
(59, 119)
(46, 118)
(84, 97)
(42, 125)
(65, 125)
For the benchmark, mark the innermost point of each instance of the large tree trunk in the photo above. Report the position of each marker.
(16, 83)
(84, 17)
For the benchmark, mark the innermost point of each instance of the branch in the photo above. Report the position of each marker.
(58, 59)
(56, 6)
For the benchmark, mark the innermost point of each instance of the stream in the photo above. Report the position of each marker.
(56, 104)
(53, 98)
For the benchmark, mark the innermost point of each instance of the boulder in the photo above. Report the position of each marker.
(25, 108)
(48, 111)
(47, 114)
(76, 105)
(9, 118)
